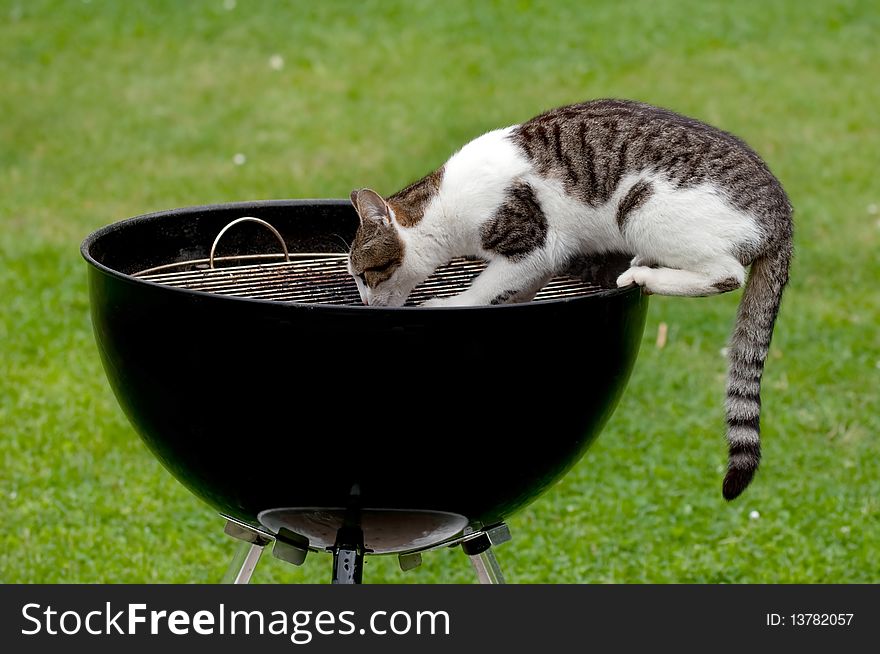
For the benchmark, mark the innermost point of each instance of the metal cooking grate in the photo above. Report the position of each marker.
(324, 279)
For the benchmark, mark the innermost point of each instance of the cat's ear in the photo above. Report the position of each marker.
(371, 206)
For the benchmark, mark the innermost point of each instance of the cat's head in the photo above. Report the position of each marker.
(377, 260)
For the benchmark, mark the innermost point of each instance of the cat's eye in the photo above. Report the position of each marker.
(379, 269)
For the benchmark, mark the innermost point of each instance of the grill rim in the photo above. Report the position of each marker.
(91, 239)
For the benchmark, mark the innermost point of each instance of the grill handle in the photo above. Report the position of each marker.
(252, 220)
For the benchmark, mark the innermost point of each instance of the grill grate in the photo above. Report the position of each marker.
(324, 279)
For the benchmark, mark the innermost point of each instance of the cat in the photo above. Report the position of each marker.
(691, 204)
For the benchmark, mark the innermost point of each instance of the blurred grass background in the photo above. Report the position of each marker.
(112, 109)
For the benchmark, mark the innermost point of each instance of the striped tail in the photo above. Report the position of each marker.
(747, 351)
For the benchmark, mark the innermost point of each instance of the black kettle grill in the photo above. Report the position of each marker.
(250, 369)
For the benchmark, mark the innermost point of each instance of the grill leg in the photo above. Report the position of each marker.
(348, 566)
(246, 556)
(479, 551)
(243, 563)
(348, 556)
(487, 568)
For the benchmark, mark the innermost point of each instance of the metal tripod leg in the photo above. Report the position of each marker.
(349, 550)
(348, 566)
(479, 550)
(246, 556)
(348, 556)
(487, 568)
(243, 564)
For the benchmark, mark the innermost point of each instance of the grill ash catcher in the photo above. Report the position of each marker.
(236, 343)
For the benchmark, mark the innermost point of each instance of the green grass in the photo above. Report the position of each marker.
(111, 109)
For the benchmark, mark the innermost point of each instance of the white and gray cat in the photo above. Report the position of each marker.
(692, 205)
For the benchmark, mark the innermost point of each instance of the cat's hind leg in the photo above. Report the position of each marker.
(641, 261)
(719, 277)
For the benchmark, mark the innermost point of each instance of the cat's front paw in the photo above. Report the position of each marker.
(460, 300)
(438, 302)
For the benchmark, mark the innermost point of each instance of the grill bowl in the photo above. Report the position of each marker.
(429, 420)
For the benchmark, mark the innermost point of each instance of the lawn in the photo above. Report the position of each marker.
(112, 109)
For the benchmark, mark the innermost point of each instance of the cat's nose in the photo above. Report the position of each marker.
(364, 300)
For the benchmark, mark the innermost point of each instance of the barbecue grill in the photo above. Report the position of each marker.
(236, 343)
